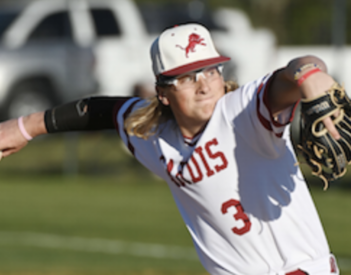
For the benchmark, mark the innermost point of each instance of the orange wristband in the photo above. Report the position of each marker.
(306, 75)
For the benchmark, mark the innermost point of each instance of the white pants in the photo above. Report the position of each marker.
(323, 266)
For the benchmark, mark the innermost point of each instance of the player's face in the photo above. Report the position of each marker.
(192, 98)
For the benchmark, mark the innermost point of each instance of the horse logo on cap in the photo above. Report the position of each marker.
(194, 40)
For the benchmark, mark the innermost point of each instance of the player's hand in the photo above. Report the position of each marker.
(314, 86)
(11, 139)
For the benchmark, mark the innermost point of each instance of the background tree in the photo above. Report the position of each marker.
(294, 22)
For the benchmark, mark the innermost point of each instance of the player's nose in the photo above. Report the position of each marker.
(203, 85)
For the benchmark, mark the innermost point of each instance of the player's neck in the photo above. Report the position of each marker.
(193, 130)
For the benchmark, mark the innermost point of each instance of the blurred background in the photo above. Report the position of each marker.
(79, 203)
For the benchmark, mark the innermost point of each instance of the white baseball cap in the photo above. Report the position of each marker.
(183, 49)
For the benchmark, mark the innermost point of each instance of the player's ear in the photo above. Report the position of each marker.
(162, 95)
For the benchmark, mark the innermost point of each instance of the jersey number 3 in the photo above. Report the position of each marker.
(240, 215)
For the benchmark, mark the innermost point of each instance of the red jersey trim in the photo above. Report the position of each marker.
(266, 103)
(274, 122)
(265, 122)
(191, 141)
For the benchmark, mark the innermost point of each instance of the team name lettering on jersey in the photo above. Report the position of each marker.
(196, 171)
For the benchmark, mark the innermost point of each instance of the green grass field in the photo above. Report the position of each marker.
(102, 213)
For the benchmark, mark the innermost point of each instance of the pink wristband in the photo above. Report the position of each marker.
(23, 130)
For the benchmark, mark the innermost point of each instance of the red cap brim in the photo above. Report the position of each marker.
(196, 66)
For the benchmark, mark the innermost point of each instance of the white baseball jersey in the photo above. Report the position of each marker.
(238, 189)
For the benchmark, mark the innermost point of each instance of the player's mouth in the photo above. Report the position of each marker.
(205, 99)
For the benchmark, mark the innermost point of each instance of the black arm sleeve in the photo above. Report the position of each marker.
(89, 114)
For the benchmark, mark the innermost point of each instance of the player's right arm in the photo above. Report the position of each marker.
(96, 113)
(11, 138)
(285, 90)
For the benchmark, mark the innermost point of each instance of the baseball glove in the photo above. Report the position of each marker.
(327, 157)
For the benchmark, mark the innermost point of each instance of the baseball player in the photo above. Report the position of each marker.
(226, 155)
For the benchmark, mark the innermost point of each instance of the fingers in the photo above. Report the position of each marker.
(9, 151)
(328, 122)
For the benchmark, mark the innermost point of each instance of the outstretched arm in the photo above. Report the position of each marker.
(294, 83)
(96, 113)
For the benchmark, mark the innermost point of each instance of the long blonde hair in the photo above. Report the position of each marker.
(145, 121)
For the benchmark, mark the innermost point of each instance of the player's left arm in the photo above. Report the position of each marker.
(285, 90)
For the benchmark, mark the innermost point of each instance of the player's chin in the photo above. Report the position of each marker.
(206, 112)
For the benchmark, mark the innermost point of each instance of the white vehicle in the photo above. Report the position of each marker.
(113, 28)
(118, 32)
(37, 72)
